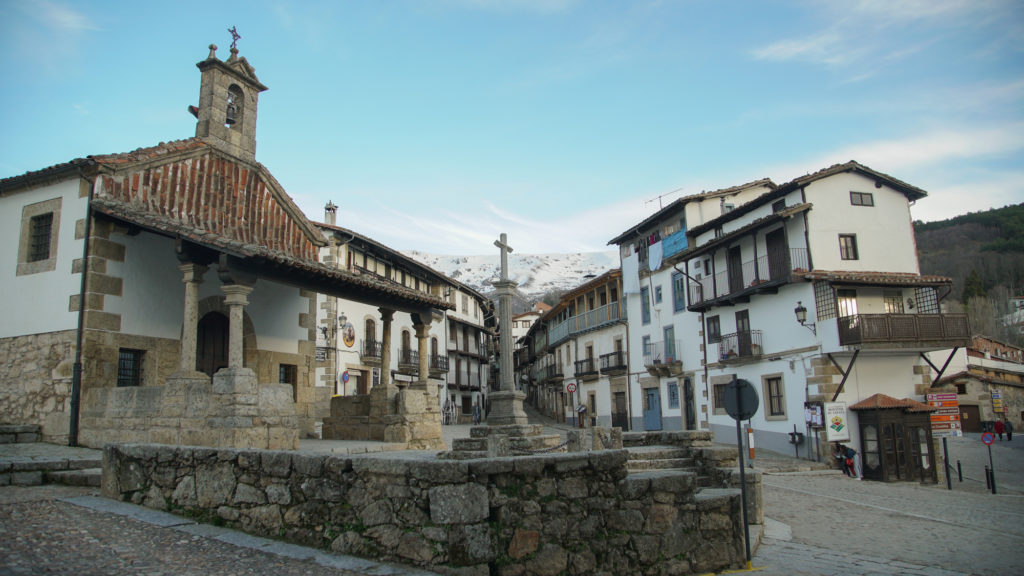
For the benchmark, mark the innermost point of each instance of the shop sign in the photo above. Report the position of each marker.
(837, 424)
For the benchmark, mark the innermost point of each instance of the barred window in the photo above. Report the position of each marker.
(824, 300)
(40, 229)
(927, 300)
(129, 367)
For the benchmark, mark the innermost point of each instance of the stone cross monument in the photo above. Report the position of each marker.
(506, 402)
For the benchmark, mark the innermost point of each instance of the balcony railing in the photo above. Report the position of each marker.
(902, 330)
(613, 363)
(769, 268)
(589, 320)
(586, 369)
(740, 345)
(663, 358)
(438, 364)
(370, 352)
(408, 359)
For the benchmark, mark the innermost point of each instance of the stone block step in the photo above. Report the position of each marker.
(84, 477)
(19, 433)
(471, 444)
(657, 452)
(660, 464)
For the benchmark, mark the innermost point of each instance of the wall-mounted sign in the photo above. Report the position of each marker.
(837, 425)
(321, 353)
(814, 414)
(348, 334)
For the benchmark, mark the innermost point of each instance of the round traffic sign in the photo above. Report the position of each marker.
(740, 399)
(344, 376)
(571, 387)
(988, 438)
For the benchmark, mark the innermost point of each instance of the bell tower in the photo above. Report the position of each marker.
(228, 103)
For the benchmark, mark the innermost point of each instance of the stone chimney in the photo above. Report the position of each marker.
(330, 213)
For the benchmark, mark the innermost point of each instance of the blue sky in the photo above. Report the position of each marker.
(437, 124)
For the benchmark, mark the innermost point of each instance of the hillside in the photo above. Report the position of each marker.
(536, 274)
(990, 242)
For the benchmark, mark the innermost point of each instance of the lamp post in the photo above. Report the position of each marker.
(801, 317)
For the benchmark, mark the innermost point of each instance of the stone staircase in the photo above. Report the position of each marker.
(24, 461)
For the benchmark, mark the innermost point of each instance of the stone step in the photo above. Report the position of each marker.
(657, 452)
(84, 477)
(660, 464)
(19, 433)
(469, 444)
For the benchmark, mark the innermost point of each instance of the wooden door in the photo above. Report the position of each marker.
(620, 416)
(970, 418)
(212, 343)
(778, 255)
(735, 269)
(652, 409)
(743, 339)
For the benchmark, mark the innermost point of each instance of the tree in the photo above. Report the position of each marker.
(973, 287)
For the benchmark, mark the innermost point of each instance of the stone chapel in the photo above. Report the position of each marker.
(168, 294)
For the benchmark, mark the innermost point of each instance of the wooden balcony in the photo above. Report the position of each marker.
(731, 286)
(925, 331)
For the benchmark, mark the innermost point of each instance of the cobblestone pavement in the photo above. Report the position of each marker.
(832, 524)
(64, 530)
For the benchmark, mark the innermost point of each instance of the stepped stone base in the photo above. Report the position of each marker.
(20, 433)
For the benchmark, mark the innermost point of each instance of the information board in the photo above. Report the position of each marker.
(945, 420)
(837, 425)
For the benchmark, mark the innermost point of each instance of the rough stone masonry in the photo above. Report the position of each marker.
(544, 515)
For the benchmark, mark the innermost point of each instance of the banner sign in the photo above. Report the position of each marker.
(837, 424)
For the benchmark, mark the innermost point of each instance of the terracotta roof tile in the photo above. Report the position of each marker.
(885, 278)
(882, 401)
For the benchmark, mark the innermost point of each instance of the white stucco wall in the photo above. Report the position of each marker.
(38, 303)
(153, 296)
(885, 236)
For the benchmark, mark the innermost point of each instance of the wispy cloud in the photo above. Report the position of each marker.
(979, 192)
(58, 16)
(530, 6)
(933, 148)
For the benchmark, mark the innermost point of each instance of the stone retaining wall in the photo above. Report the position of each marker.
(35, 382)
(542, 515)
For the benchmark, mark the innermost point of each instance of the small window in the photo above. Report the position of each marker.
(778, 205)
(719, 399)
(714, 329)
(673, 395)
(893, 301)
(726, 208)
(129, 367)
(848, 246)
(775, 398)
(289, 374)
(40, 228)
(37, 243)
(862, 199)
(657, 294)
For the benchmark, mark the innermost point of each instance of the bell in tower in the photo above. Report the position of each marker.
(228, 99)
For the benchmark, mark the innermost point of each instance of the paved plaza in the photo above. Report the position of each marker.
(820, 522)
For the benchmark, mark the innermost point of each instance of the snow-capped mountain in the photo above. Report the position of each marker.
(536, 274)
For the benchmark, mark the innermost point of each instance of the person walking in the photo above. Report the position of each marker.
(999, 428)
(853, 462)
(1008, 428)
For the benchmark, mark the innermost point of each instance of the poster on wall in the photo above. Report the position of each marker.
(813, 414)
(836, 423)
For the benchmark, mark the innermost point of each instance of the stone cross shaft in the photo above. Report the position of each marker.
(502, 244)
(505, 288)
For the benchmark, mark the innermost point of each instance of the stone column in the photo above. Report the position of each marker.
(235, 296)
(193, 277)
(386, 316)
(422, 338)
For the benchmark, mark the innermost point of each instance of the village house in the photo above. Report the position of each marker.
(988, 379)
(811, 292)
(574, 356)
(170, 294)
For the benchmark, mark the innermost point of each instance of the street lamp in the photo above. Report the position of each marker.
(801, 317)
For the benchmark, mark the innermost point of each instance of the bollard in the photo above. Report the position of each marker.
(959, 471)
(945, 460)
(988, 479)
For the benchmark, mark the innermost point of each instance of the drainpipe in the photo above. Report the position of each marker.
(76, 378)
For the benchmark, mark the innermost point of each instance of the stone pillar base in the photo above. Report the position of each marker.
(507, 408)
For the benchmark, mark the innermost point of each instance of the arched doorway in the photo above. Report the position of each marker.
(212, 343)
